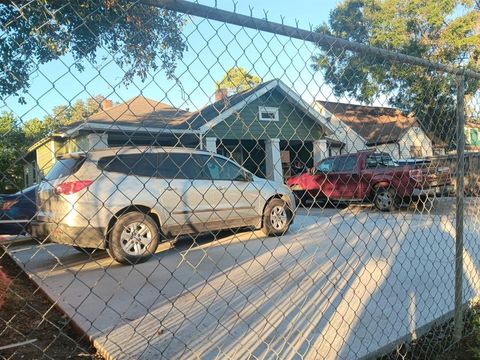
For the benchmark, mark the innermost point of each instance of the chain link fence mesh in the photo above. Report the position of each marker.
(212, 188)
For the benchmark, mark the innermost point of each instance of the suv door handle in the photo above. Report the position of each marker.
(169, 188)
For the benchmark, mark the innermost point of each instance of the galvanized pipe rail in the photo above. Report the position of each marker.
(229, 17)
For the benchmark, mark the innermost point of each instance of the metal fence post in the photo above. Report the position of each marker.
(459, 208)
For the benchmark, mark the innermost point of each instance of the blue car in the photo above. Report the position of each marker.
(17, 210)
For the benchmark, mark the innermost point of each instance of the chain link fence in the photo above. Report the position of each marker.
(222, 186)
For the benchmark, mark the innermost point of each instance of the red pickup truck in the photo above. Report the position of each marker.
(369, 176)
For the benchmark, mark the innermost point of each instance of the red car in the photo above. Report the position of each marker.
(368, 176)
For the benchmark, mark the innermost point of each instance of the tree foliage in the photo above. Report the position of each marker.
(139, 37)
(11, 138)
(443, 31)
(16, 137)
(237, 79)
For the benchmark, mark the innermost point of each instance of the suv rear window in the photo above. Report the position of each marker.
(65, 167)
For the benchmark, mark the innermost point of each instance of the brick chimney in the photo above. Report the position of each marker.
(106, 103)
(221, 94)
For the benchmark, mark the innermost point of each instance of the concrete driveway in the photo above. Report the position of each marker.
(341, 283)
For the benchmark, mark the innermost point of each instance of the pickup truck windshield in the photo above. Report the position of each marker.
(338, 164)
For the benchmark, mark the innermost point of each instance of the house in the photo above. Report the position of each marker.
(386, 129)
(472, 138)
(265, 129)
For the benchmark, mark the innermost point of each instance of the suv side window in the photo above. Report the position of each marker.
(130, 164)
(180, 166)
(222, 169)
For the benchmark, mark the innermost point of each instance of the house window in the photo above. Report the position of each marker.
(416, 151)
(268, 113)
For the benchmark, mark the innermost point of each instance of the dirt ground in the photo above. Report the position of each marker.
(27, 314)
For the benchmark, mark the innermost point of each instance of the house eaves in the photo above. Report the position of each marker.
(90, 126)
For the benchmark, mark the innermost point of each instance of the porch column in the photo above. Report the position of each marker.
(273, 160)
(211, 144)
(97, 141)
(320, 150)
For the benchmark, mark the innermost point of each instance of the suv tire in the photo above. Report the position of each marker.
(277, 217)
(133, 238)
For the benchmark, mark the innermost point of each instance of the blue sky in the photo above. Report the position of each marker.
(267, 55)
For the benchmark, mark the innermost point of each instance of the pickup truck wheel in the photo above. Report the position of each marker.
(277, 217)
(385, 199)
(134, 238)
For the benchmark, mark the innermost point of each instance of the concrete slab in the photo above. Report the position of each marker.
(340, 284)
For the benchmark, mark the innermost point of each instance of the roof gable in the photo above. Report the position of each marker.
(211, 115)
(292, 123)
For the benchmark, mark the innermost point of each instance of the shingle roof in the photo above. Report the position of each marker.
(377, 125)
(142, 112)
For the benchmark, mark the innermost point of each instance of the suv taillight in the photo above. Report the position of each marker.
(416, 175)
(6, 205)
(71, 187)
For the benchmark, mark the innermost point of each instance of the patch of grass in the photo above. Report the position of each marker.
(439, 343)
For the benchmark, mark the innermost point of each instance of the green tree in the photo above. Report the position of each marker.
(79, 110)
(12, 141)
(34, 130)
(443, 31)
(16, 137)
(139, 37)
(237, 79)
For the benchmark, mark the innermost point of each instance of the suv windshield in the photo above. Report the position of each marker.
(65, 167)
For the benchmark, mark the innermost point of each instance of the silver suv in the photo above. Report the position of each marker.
(126, 200)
